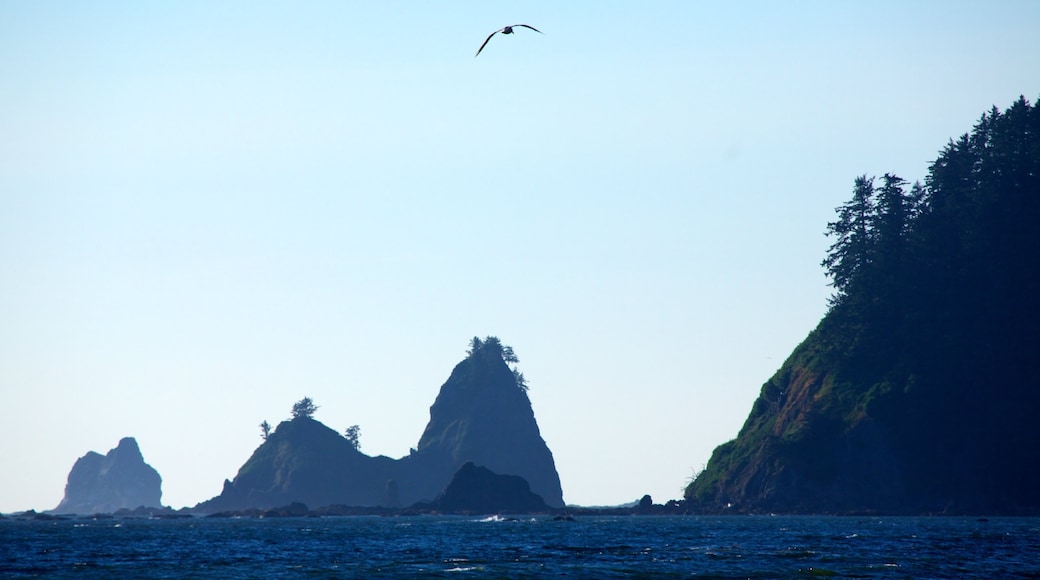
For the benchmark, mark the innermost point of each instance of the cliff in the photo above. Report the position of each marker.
(919, 390)
(802, 450)
(482, 414)
(117, 480)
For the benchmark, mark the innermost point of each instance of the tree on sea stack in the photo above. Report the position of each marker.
(305, 407)
(353, 435)
(493, 348)
(521, 382)
(265, 430)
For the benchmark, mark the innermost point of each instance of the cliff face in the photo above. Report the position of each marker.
(106, 483)
(919, 390)
(482, 414)
(802, 451)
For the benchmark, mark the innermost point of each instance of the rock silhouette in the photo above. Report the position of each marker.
(117, 480)
(482, 415)
(918, 392)
(478, 490)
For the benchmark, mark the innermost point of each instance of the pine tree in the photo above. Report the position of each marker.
(353, 435)
(305, 407)
(849, 257)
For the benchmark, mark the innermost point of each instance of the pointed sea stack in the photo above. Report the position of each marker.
(481, 415)
(106, 483)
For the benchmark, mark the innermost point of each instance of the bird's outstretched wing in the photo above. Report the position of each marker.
(507, 30)
(485, 42)
(529, 26)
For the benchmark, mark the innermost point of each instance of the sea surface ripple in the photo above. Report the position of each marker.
(524, 546)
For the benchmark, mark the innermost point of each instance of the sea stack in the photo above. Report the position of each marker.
(482, 415)
(106, 483)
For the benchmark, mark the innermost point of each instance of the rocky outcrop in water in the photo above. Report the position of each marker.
(482, 415)
(303, 461)
(106, 483)
(478, 490)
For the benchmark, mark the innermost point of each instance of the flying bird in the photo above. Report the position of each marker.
(506, 30)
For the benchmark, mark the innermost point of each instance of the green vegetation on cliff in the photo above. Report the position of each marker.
(919, 390)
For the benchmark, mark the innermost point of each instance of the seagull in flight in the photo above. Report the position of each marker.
(506, 30)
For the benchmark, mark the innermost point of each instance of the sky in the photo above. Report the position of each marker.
(209, 210)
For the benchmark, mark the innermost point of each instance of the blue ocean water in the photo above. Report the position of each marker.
(461, 547)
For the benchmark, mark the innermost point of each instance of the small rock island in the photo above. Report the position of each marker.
(478, 490)
(106, 483)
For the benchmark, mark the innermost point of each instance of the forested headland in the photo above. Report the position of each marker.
(919, 391)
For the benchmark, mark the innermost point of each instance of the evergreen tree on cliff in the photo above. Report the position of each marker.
(920, 388)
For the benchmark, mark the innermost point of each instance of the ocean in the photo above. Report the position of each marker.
(525, 546)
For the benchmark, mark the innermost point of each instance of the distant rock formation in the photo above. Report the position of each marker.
(106, 483)
(482, 415)
(303, 461)
(478, 490)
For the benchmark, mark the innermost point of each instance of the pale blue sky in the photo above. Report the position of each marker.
(209, 210)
